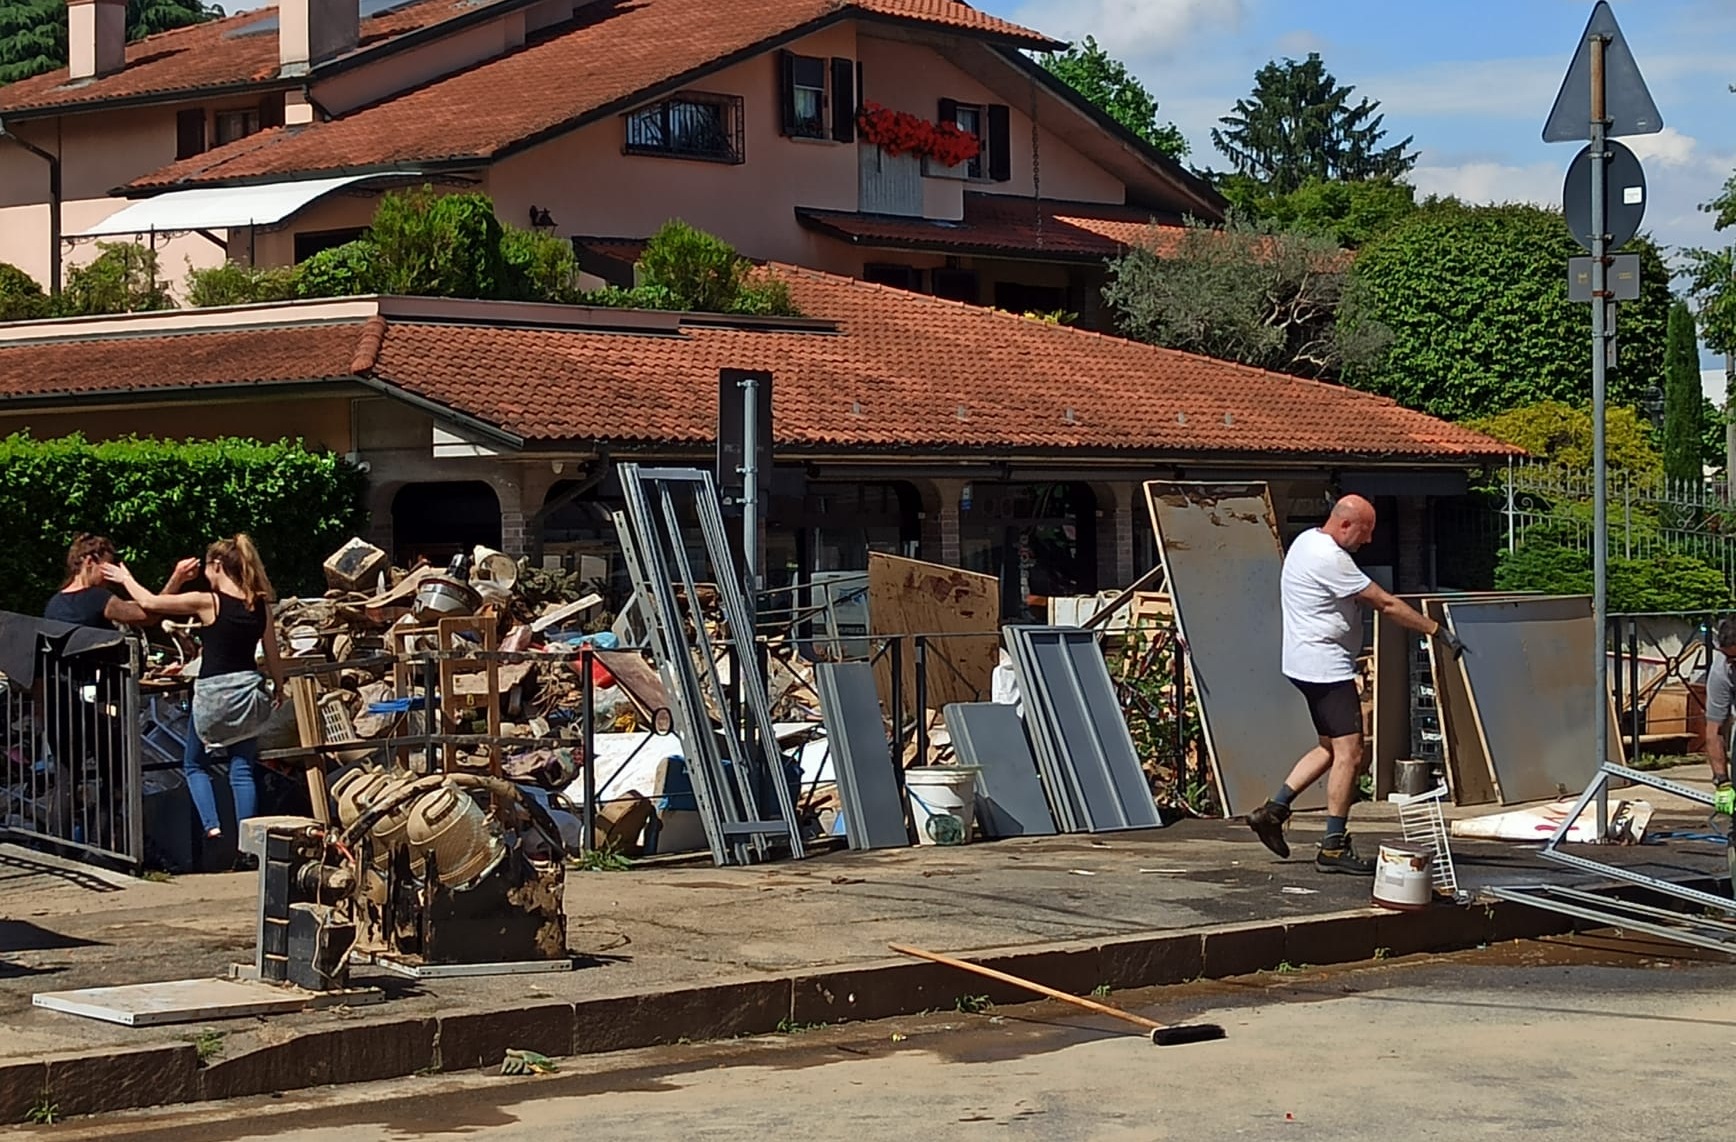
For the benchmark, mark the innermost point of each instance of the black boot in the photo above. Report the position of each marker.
(1268, 824)
(1338, 854)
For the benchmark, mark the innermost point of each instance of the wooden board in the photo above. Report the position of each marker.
(1469, 778)
(637, 678)
(1391, 739)
(910, 597)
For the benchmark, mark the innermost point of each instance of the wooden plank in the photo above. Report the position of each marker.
(910, 597)
(637, 678)
(307, 723)
(1469, 778)
(1392, 699)
(563, 613)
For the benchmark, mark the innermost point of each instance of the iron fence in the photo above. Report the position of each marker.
(1648, 515)
(71, 748)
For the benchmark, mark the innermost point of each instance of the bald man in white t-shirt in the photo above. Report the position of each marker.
(1322, 589)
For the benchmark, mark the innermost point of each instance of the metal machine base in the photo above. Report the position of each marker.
(458, 971)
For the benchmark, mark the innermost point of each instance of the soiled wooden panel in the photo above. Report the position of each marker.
(1469, 777)
(1528, 669)
(910, 597)
(1221, 555)
(1392, 699)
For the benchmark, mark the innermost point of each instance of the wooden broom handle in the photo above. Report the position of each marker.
(991, 973)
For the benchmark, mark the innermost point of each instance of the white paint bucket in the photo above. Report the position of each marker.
(1404, 876)
(942, 802)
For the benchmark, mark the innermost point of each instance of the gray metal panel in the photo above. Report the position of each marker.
(861, 756)
(1071, 702)
(1220, 550)
(1529, 665)
(1010, 799)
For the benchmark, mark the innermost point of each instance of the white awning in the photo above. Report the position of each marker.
(220, 208)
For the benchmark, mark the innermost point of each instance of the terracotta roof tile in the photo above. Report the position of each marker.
(612, 52)
(903, 371)
(1001, 224)
(236, 51)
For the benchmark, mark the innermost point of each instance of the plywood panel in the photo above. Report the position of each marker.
(1392, 701)
(1528, 672)
(907, 597)
(1469, 778)
(1222, 560)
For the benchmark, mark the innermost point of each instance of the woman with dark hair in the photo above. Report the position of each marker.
(231, 698)
(87, 600)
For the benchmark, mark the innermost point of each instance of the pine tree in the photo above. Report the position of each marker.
(1683, 404)
(33, 32)
(1299, 124)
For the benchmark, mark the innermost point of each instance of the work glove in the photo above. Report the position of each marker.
(1449, 640)
(1724, 800)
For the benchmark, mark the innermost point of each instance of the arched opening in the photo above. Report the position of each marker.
(435, 521)
(1040, 539)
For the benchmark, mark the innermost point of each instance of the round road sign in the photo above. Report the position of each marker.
(1625, 196)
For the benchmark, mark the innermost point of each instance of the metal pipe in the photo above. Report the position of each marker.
(588, 738)
(921, 700)
(750, 505)
(1599, 380)
(54, 203)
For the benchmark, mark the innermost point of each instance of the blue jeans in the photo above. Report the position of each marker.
(242, 757)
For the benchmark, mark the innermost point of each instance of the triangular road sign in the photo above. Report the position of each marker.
(1627, 103)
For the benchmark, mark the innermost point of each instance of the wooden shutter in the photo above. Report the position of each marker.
(787, 92)
(844, 100)
(1000, 143)
(271, 111)
(189, 133)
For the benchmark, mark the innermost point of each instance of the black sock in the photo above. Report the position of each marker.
(1285, 795)
(1337, 826)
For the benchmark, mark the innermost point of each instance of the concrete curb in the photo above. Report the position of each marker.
(124, 1078)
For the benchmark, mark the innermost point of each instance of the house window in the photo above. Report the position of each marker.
(691, 125)
(805, 97)
(991, 126)
(1015, 297)
(956, 285)
(808, 86)
(310, 242)
(890, 274)
(189, 133)
(233, 125)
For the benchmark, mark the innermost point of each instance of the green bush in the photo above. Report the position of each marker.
(123, 278)
(340, 271)
(686, 269)
(1562, 434)
(162, 500)
(1664, 582)
(538, 267)
(234, 284)
(21, 298)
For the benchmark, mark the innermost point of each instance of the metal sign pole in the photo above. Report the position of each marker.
(750, 501)
(1599, 367)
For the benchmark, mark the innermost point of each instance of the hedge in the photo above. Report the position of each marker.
(160, 500)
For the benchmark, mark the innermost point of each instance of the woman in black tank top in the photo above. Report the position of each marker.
(235, 615)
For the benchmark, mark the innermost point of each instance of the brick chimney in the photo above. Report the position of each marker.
(309, 32)
(96, 37)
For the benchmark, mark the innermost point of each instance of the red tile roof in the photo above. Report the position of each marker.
(614, 51)
(901, 372)
(218, 54)
(1002, 224)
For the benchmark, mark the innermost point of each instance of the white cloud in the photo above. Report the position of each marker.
(1488, 181)
(1668, 147)
(1144, 29)
(1712, 385)
(1492, 89)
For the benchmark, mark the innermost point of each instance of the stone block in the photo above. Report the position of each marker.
(353, 1053)
(122, 1078)
(1152, 961)
(482, 1038)
(1243, 950)
(1330, 940)
(719, 1011)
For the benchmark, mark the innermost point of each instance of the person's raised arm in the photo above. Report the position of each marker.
(273, 654)
(200, 606)
(1408, 616)
(125, 612)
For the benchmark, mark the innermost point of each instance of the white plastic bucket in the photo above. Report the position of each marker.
(1404, 876)
(942, 802)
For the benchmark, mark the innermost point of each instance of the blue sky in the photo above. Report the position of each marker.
(1472, 80)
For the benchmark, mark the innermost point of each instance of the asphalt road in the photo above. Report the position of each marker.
(1592, 1040)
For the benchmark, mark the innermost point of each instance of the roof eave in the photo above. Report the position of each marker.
(962, 249)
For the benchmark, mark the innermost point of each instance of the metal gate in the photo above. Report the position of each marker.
(70, 764)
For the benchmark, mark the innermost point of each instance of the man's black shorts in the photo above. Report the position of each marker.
(1334, 706)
